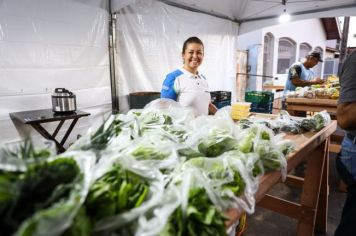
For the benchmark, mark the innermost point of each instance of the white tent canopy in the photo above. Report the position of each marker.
(255, 14)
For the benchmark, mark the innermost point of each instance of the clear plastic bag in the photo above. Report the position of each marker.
(15, 156)
(226, 180)
(125, 220)
(56, 218)
(322, 119)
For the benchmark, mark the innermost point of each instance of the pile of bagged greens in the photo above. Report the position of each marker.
(155, 171)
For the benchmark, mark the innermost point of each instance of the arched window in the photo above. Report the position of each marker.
(318, 67)
(286, 54)
(304, 49)
(268, 48)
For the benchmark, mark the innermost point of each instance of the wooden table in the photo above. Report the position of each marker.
(311, 104)
(311, 211)
(36, 117)
(273, 87)
(316, 105)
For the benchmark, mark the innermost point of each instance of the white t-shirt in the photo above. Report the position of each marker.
(188, 89)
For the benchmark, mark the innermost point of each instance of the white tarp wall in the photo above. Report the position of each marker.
(150, 36)
(45, 44)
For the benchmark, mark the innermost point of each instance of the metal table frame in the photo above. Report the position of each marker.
(36, 117)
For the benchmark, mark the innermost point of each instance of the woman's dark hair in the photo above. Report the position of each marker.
(191, 40)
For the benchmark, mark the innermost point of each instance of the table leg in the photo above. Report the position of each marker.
(322, 212)
(291, 112)
(311, 190)
(46, 135)
(69, 130)
(59, 126)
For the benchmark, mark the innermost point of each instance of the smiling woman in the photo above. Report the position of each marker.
(186, 85)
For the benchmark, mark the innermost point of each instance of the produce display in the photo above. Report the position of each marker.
(154, 171)
(330, 89)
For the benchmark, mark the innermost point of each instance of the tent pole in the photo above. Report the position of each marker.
(112, 60)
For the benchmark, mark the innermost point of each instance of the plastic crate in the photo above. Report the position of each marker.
(259, 97)
(140, 99)
(261, 101)
(222, 104)
(218, 96)
(262, 108)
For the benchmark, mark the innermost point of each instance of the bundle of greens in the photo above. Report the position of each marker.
(189, 153)
(308, 124)
(224, 178)
(250, 161)
(100, 139)
(201, 218)
(25, 150)
(149, 153)
(252, 134)
(117, 191)
(152, 120)
(176, 131)
(258, 140)
(322, 119)
(218, 142)
(41, 186)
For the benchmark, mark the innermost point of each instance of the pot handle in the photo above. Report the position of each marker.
(60, 90)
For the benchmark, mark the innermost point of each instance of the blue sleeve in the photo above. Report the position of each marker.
(168, 85)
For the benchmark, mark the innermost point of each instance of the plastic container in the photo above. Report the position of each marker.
(261, 101)
(261, 97)
(219, 96)
(240, 110)
(140, 99)
(222, 104)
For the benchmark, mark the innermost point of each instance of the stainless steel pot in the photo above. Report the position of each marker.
(63, 101)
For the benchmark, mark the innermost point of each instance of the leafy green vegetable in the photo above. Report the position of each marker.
(154, 119)
(217, 172)
(42, 185)
(101, 138)
(149, 153)
(246, 144)
(271, 161)
(202, 218)
(177, 132)
(286, 147)
(245, 123)
(216, 144)
(81, 226)
(26, 150)
(268, 155)
(117, 191)
(265, 135)
(309, 124)
(320, 121)
(189, 153)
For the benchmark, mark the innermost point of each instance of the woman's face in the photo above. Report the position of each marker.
(193, 56)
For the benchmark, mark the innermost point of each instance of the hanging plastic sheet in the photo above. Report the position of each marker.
(150, 36)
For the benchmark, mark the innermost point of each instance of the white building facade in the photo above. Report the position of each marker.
(280, 46)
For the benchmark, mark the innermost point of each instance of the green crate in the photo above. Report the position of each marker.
(259, 97)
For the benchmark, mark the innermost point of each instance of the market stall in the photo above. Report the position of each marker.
(163, 171)
(311, 211)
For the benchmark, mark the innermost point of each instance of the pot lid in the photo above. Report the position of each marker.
(62, 92)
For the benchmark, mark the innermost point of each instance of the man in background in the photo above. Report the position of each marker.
(300, 73)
